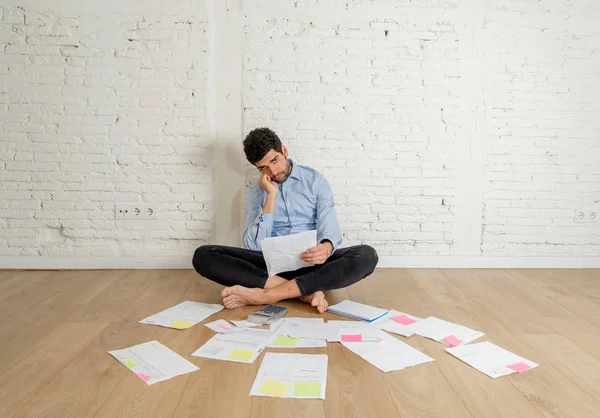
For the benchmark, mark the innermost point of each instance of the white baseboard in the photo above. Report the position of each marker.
(98, 263)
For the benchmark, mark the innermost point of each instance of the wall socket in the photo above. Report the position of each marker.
(586, 215)
(127, 211)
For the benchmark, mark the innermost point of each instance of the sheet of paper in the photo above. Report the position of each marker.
(490, 359)
(357, 310)
(245, 324)
(333, 327)
(389, 354)
(284, 341)
(399, 323)
(153, 362)
(184, 315)
(312, 328)
(240, 347)
(447, 333)
(221, 326)
(283, 253)
(282, 375)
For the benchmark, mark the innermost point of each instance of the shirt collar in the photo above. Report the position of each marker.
(296, 171)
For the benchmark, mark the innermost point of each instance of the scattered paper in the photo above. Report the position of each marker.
(245, 324)
(184, 315)
(291, 376)
(490, 359)
(153, 362)
(446, 332)
(389, 354)
(357, 311)
(283, 253)
(312, 328)
(284, 341)
(241, 347)
(221, 326)
(399, 323)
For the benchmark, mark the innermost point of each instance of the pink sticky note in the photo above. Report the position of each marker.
(223, 327)
(144, 377)
(519, 367)
(403, 320)
(452, 341)
(352, 338)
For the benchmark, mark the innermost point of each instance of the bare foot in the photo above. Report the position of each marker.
(316, 299)
(235, 296)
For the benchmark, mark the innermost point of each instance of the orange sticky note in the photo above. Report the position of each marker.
(274, 388)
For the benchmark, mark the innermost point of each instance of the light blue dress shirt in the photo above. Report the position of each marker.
(304, 203)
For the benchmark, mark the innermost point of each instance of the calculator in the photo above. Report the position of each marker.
(268, 314)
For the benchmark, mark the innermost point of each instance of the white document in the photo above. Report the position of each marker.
(153, 362)
(184, 315)
(283, 253)
(445, 332)
(490, 359)
(301, 376)
(333, 327)
(357, 311)
(389, 354)
(283, 341)
(221, 326)
(313, 328)
(399, 323)
(245, 324)
(240, 347)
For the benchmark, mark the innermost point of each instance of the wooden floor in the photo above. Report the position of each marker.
(57, 326)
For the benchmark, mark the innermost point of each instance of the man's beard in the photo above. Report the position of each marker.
(288, 171)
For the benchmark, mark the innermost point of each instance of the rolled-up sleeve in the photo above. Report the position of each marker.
(327, 223)
(257, 225)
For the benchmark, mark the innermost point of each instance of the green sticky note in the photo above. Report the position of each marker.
(307, 389)
(285, 341)
(181, 324)
(129, 363)
(241, 355)
(274, 388)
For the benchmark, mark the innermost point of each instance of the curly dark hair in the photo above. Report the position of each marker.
(259, 142)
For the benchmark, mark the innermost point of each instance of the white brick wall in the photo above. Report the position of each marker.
(376, 95)
(446, 127)
(99, 107)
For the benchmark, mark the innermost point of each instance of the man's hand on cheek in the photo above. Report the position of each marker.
(317, 254)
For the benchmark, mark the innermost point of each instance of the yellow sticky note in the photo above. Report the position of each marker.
(274, 388)
(307, 389)
(181, 324)
(241, 355)
(285, 341)
(129, 363)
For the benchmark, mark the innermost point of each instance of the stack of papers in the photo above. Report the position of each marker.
(283, 253)
(399, 323)
(242, 347)
(389, 354)
(153, 362)
(491, 359)
(291, 376)
(358, 311)
(447, 332)
(184, 315)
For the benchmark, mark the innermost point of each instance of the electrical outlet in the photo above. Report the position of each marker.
(127, 211)
(586, 215)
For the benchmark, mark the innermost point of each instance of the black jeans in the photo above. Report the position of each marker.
(231, 265)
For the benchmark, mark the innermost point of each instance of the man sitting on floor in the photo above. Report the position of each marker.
(287, 199)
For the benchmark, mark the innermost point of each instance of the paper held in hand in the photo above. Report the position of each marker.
(283, 253)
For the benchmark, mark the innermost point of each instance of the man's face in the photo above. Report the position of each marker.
(276, 165)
